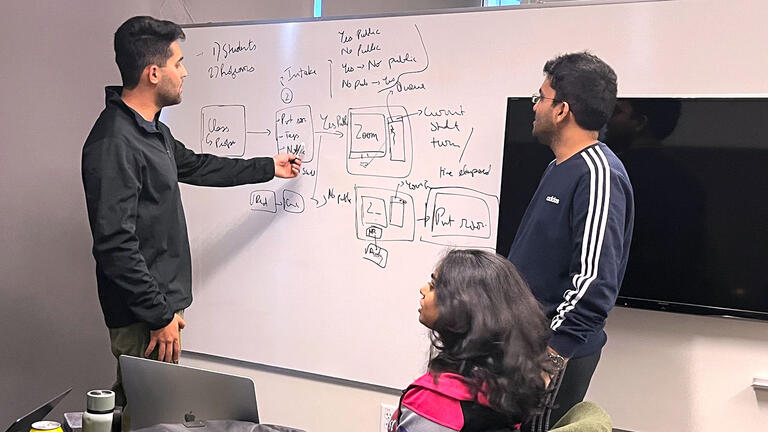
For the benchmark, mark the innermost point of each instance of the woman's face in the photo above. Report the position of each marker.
(427, 304)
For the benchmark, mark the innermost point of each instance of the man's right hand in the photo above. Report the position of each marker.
(167, 341)
(287, 165)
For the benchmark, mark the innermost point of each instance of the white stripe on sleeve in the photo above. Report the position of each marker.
(594, 231)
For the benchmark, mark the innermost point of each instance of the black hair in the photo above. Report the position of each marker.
(587, 83)
(491, 330)
(142, 41)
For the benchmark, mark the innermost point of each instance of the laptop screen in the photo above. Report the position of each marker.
(23, 424)
(159, 392)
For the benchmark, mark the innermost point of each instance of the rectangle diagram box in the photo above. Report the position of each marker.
(379, 142)
(294, 131)
(457, 216)
(384, 214)
(223, 130)
(263, 201)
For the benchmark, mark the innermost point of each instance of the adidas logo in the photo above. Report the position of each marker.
(553, 199)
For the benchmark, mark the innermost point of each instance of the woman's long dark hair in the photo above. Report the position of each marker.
(491, 330)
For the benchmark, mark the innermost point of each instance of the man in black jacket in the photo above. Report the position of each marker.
(131, 167)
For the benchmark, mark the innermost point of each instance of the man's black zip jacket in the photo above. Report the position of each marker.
(131, 168)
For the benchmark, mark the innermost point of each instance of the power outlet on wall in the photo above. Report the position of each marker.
(387, 411)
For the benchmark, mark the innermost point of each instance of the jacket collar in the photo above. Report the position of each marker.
(113, 98)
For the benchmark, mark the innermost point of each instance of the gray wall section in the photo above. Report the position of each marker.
(202, 11)
(56, 58)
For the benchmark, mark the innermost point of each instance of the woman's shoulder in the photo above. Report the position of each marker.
(435, 399)
(446, 402)
(439, 398)
(446, 383)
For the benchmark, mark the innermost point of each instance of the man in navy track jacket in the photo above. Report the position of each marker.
(573, 242)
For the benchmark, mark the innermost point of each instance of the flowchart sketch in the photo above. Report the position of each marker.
(381, 110)
(457, 216)
(384, 215)
(379, 142)
(263, 201)
(223, 130)
(294, 131)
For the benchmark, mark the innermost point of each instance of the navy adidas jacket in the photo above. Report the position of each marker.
(573, 243)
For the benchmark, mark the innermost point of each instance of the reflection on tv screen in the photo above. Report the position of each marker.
(697, 167)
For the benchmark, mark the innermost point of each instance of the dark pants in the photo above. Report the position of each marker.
(130, 340)
(576, 377)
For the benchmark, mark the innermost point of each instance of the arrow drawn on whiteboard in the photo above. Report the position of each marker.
(417, 113)
(330, 77)
(365, 164)
(268, 132)
(426, 66)
(317, 173)
(338, 133)
(466, 144)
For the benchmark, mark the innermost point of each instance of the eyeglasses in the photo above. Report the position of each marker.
(537, 97)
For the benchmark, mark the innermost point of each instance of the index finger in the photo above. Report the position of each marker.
(161, 351)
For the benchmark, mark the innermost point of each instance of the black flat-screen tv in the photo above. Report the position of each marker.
(699, 170)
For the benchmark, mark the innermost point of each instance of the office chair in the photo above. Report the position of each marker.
(540, 423)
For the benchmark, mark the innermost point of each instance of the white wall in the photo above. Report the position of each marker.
(660, 371)
(670, 372)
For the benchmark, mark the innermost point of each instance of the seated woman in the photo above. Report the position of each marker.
(489, 343)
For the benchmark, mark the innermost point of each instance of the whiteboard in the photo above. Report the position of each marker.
(400, 121)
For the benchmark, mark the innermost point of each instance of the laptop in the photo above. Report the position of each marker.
(24, 424)
(159, 392)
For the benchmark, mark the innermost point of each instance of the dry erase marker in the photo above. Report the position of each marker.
(299, 150)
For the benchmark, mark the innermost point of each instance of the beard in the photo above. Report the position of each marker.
(543, 133)
(168, 95)
(168, 99)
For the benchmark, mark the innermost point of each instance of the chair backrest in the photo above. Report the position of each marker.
(584, 417)
(540, 423)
